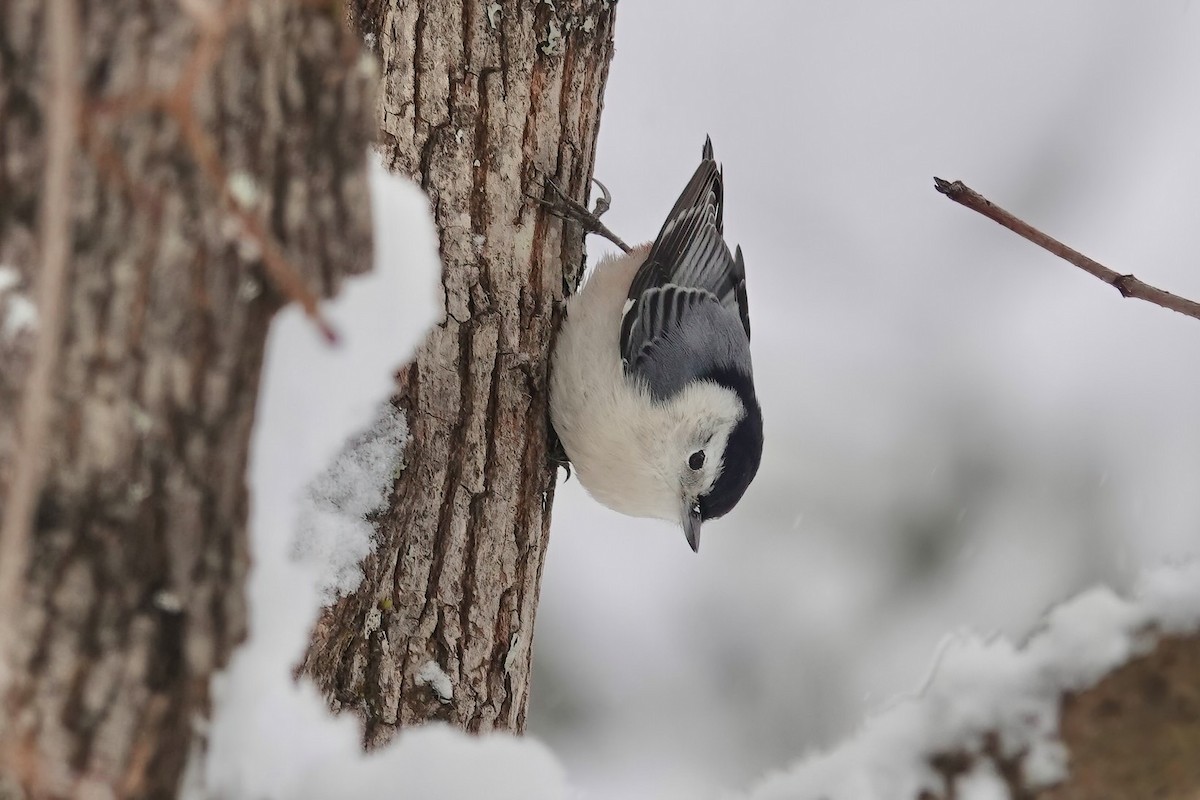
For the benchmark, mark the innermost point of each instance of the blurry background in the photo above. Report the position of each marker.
(961, 429)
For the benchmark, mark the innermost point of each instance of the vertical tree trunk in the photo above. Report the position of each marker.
(214, 149)
(481, 102)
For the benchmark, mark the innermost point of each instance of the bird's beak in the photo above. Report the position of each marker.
(690, 519)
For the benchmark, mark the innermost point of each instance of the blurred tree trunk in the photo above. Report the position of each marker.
(213, 150)
(481, 101)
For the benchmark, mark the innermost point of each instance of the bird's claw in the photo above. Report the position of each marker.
(565, 207)
(556, 454)
(603, 202)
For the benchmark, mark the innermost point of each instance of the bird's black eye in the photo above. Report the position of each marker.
(696, 460)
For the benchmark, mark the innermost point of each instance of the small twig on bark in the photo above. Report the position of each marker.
(61, 31)
(1127, 285)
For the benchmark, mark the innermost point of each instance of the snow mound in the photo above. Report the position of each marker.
(993, 695)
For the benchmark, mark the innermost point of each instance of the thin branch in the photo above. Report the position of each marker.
(61, 32)
(1127, 285)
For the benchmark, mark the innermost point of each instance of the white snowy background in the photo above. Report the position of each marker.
(961, 430)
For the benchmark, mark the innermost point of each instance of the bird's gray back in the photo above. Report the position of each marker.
(706, 339)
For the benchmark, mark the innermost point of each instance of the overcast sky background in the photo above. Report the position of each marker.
(961, 429)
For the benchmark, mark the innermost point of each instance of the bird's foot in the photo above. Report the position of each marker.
(556, 454)
(560, 205)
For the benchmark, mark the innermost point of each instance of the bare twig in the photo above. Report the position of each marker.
(1127, 285)
(61, 32)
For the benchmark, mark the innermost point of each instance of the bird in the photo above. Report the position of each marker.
(651, 382)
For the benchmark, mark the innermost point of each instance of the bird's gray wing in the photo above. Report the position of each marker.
(689, 255)
(658, 312)
(686, 335)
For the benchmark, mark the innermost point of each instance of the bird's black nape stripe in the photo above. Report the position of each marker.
(743, 451)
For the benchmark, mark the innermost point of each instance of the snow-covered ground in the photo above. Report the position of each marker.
(962, 432)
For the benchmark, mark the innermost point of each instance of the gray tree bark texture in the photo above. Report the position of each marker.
(481, 102)
(212, 138)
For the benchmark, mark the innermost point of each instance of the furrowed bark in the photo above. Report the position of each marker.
(481, 101)
(132, 594)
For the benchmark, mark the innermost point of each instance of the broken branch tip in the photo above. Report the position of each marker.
(946, 187)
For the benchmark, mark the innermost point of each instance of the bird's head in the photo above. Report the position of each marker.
(710, 454)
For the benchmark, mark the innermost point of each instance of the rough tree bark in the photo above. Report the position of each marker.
(481, 102)
(220, 144)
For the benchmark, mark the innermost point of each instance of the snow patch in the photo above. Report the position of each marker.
(373, 621)
(553, 45)
(9, 277)
(333, 533)
(511, 657)
(437, 762)
(20, 315)
(244, 189)
(983, 687)
(433, 676)
(17, 312)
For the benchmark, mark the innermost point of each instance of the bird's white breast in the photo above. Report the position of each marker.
(622, 445)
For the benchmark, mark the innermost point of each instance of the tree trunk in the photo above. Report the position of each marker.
(481, 102)
(214, 151)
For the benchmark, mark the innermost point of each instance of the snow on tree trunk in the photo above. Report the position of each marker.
(214, 137)
(481, 102)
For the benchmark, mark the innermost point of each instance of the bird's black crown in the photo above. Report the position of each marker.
(743, 450)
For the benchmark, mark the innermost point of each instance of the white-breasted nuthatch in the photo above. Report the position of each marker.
(651, 385)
